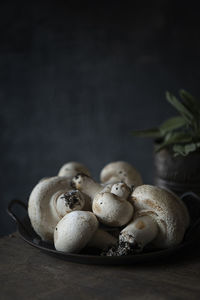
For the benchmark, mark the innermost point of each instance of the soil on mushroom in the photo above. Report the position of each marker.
(122, 249)
(71, 199)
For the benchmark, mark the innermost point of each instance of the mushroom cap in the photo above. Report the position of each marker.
(70, 169)
(121, 189)
(74, 231)
(167, 210)
(120, 171)
(111, 210)
(41, 205)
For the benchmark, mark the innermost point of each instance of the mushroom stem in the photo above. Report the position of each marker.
(140, 232)
(86, 185)
(102, 240)
(134, 237)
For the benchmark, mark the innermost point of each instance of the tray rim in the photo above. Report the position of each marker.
(97, 259)
(108, 260)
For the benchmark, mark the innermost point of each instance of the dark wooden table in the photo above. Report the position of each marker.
(28, 273)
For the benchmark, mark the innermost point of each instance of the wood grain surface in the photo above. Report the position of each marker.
(28, 273)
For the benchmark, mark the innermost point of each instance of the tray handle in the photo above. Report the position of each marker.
(196, 224)
(191, 194)
(12, 214)
(192, 230)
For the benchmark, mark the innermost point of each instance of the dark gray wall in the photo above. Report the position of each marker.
(75, 79)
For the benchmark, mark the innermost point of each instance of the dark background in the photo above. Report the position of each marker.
(77, 77)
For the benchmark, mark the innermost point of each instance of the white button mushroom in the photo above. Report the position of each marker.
(120, 171)
(166, 209)
(71, 200)
(111, 209)
(49, 202)
(70, 169)
(160, 218)
(74, 231)
(78, 229)
(121, 190)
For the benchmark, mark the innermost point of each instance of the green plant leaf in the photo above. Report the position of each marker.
(194, 106)
(191, 102)
(190, 148)
(174, 138)
(183, 131)
(171, 124)
(152, 133)
(182, 109)
(184, 150)
(178, 150)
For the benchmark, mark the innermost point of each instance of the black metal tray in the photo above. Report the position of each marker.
(27, 233)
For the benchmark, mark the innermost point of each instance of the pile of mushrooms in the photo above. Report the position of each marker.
(119, 216)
